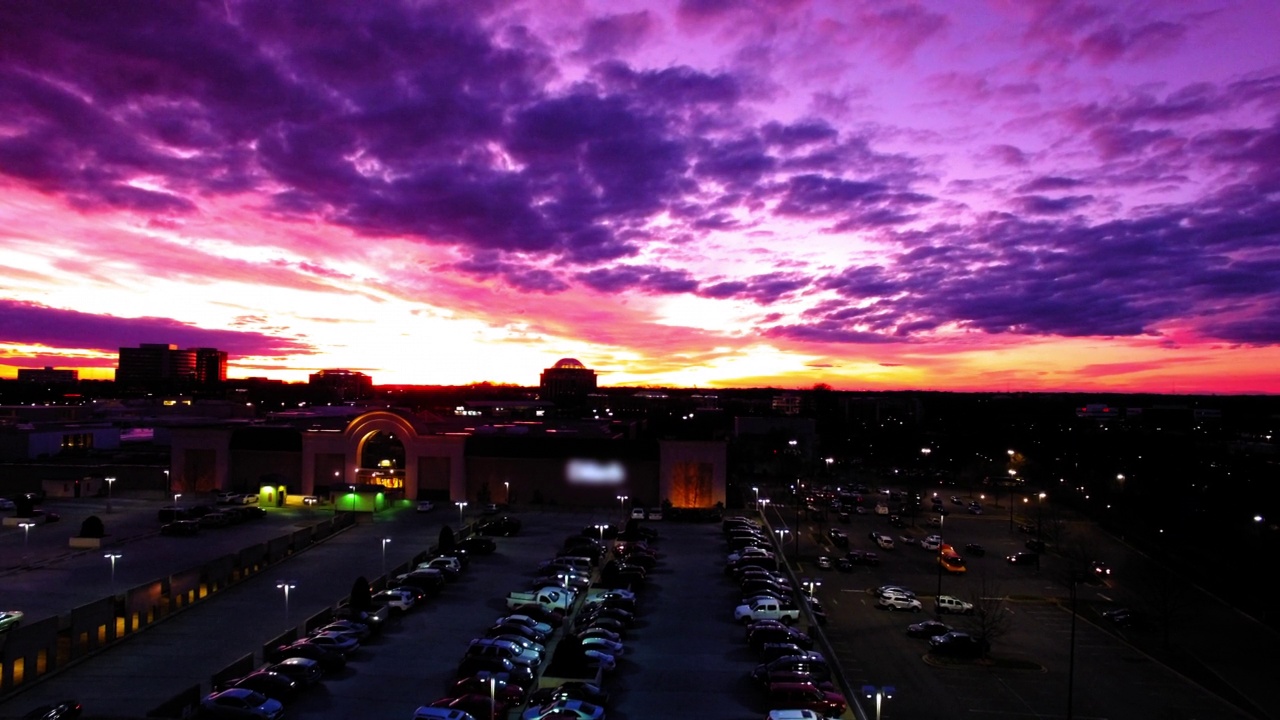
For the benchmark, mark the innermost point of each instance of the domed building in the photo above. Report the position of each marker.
(567, 383)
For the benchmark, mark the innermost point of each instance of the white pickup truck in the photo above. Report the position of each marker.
(550, 598)
(766, 610)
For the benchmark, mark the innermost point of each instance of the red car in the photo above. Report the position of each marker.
(806, 696)
(476, 705)
(478, 684)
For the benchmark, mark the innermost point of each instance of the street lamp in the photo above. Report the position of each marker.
(353, 497)
(286, 587)
(782, 540)
(461, 520)
(622, 504)
(879, 694)
(757, 491)
(506, 488)
(601, 527)
(1039, 513)
(385, 540)
(175, 498)
(113, 557)
(26, 537)
(110, 481)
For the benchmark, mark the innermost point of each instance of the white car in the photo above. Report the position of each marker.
(397, 599)
(951, 604)
(341, 642)
(637, 513)
(933, 542)
(10, 619)
(526, 621)
(601, 659)
(242, 702)
(899, 601)
(249, 499)
(655, 513)
(610, 647)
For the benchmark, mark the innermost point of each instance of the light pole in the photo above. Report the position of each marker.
(286, 587)
(506, 492)
(461, 520)
(493, 681)
(757, 490)
(622, 504)
(782, 541)
(110, 481)
(879, 694)
(385, 540)
(175, 498)
(113, 557)
(26, 539)
(353, 497)
(601, 527)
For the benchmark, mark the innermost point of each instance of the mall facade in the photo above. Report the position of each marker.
(374, 457)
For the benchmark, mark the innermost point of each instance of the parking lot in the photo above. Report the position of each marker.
(685, 658)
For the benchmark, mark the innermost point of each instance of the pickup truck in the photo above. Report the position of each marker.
(548, 598)
(766, 610)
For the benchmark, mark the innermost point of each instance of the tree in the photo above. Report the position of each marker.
(447, 542)
(92, 527)
(361, 595)
(991, 618)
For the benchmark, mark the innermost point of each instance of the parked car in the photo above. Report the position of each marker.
(571, 690)
(957, 644)
(428, 712)
(951, 604)
(503, 526)
(515, 673)
(839, 538)
(241, 703)
(486, 683)
(274, 685)
(565, 710)
(761, 633)
(975, 550)
(426, 506)
(338, 641)
(811, 663)
(1124, 617)
(805, 696)
(928, 629)
(301, 670)
(892, 601)
(330, 660)
(184, 528)
(476, 704)
(65, 710)
(10, 619)
(477, 545)
(396, 599)
(1023, 558)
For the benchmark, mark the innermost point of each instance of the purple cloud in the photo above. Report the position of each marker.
(30, 323)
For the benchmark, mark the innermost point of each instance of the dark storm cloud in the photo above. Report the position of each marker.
(762, 289)
(29, 323)
(1041, 205)
(1213, 265)
(645, 279)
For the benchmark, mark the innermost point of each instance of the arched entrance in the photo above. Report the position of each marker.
(381, 460)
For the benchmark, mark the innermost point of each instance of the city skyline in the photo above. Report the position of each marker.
(1045, 195)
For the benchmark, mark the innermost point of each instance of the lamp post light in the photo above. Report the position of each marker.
(286, 587)
(782, 540)
(175, 498)
(110, 481)
(113, 557)
(757, 491)
(26, 538)
(506, 491)
(385, 540)
(352, 488)
(461, 520)
(879, 694)
(622, 504)
(601, 527)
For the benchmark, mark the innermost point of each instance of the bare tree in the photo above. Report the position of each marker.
(991, 618)
(1160, 594)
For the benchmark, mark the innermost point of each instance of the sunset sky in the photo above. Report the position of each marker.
(979, 195)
